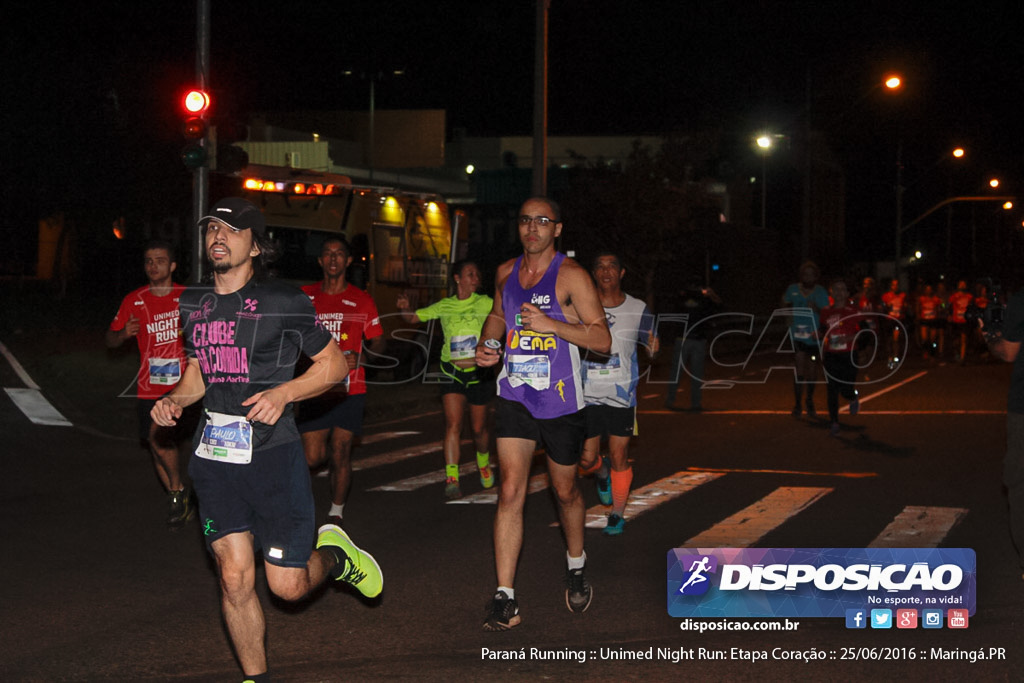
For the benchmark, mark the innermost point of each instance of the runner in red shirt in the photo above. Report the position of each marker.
(840, 324)
(928, 321)
(958, 304)
(150, 314)
(894, 304)
(330, 422)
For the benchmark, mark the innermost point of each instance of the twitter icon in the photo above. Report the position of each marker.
(881, 618)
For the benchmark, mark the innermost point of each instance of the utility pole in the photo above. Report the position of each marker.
(201, 175)
(540, 101)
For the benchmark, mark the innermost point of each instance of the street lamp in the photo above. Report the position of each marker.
(764, 141)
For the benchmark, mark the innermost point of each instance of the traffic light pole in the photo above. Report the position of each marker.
(201, 175)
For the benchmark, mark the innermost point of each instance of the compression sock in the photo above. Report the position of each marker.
(621, 482)
(452, 471)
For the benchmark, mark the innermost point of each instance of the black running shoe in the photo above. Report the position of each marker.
(502, 613)
(578, 592)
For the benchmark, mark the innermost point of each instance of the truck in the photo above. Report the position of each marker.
(402, 242)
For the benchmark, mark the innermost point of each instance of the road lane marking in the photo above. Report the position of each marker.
(713, 411)
(419, 481)
(646, 498)
(37, 408)
(848, 475)
(383, 436)
(919, 527)
(17, 368)
(537, 482)
(392, 457)
(865, 399)
(746, 527)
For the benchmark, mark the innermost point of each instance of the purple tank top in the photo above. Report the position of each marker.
(541, 371)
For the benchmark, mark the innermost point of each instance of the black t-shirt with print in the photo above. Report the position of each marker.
(247, 342)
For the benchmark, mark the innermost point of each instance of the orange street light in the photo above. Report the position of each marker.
(994, 182)
(959, 152)
(893, 82)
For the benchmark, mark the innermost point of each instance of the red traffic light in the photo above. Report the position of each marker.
(195, 128)
(197, 102)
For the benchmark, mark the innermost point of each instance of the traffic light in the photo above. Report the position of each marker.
(197, 105)
(230, 158)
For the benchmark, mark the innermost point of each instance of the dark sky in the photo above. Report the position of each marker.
(75, 71)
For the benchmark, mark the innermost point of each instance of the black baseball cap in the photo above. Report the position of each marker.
(238, 213)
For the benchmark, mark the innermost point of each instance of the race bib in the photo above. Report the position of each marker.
(803, 332)
(534, 371)
(164, 371)
(462, 347)
(226, 438)
(610, 369)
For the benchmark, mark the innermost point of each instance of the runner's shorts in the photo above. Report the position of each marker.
(271, 497)
(605, 420)
(344, 411)
(562, 437)
(476, 384)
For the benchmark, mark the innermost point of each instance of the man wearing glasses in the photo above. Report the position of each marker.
(547, 307)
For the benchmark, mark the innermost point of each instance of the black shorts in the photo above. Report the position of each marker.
(319, 413)
(184, 429)
(605, 420)
(476, 384)
(271, 497)
(562, 437)
(804, 347)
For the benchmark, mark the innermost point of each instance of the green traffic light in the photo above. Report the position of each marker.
(194, 156)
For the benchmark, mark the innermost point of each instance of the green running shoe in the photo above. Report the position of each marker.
(355, 567)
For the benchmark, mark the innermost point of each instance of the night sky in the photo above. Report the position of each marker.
(91, 88)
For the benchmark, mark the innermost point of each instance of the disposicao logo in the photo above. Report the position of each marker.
(818, 582)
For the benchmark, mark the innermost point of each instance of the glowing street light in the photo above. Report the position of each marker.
(959, 152)
(893, 82)
(993, 183)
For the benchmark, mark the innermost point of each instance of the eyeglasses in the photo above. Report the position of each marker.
(541, 221)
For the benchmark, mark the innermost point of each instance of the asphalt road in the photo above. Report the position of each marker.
(95, 588)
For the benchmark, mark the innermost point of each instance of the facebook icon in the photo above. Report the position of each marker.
(856, 618)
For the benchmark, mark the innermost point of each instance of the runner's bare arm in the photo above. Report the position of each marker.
(494, 326)
(329, 368)
(190, 389)
(585, 324)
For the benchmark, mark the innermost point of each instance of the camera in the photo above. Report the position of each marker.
(990, 313)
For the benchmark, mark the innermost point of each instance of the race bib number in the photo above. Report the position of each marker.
(462, 347)
(803, 333)
(226, 438)
(534, 371)
(164, 371)
(610, 369)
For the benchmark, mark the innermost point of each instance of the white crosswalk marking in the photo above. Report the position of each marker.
(648, 497)
(750, 524)
(392, 457)
(918, 527)
(37, 408)
(383, 436)
(537, 482)
(435, 477)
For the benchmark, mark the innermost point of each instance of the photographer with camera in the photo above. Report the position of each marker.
(1003, 329)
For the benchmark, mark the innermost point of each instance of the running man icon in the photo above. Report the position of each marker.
(697, 570)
